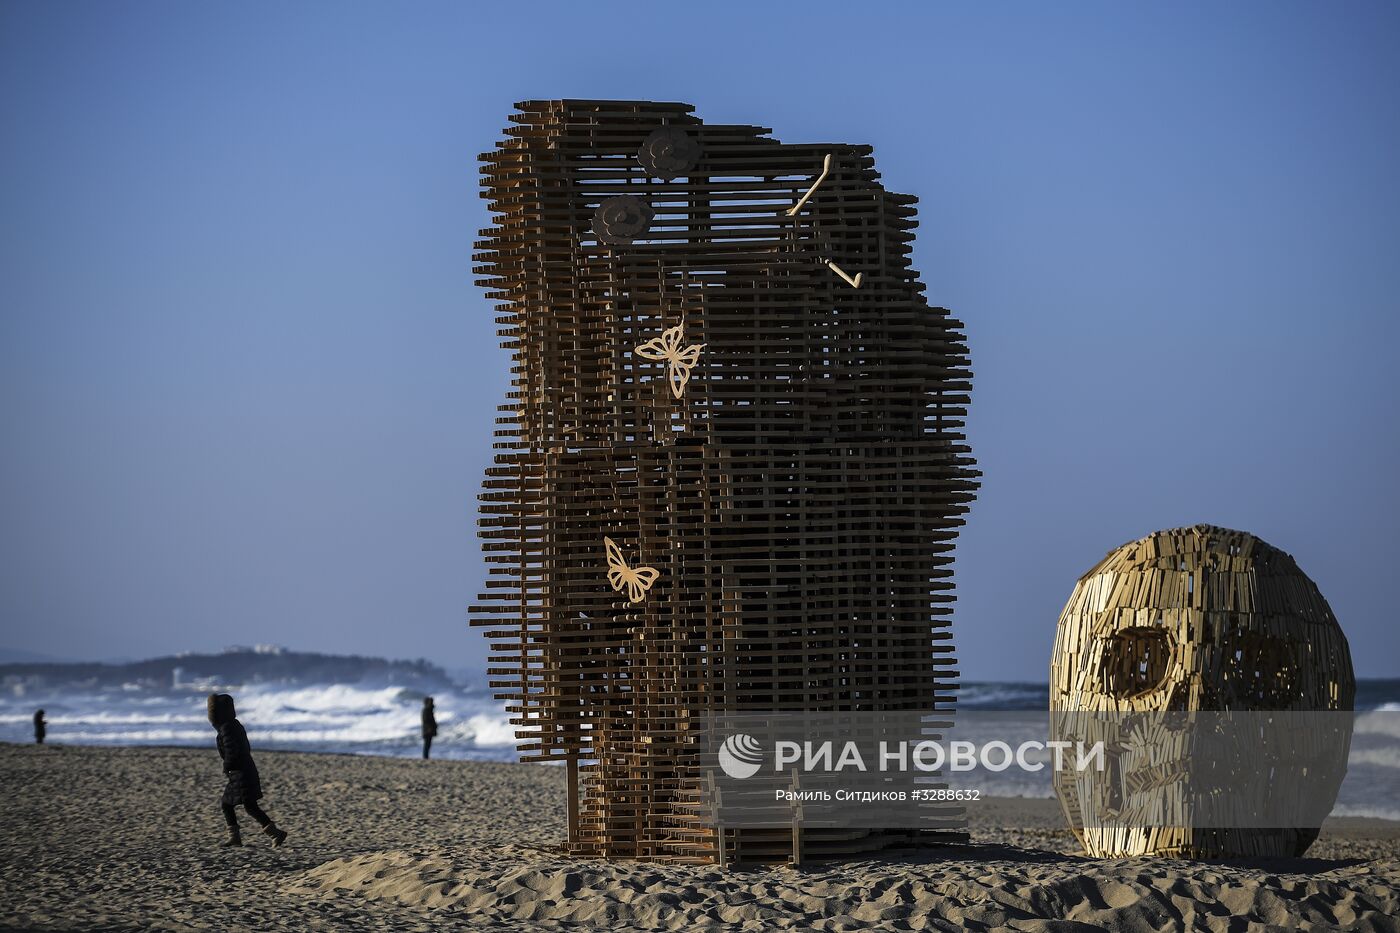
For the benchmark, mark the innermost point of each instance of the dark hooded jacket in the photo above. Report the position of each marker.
(243, 782)
(429, 720)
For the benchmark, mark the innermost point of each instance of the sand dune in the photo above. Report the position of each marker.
(126, 839)
(965, 888)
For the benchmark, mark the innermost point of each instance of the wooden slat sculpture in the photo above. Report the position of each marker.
(731, 470)
(1194, 619)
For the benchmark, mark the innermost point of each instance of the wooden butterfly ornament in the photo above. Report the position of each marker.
(636, 581)
(679, 360)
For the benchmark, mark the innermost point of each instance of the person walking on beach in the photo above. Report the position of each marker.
(244, 786)
(41, 727)
(429, 726)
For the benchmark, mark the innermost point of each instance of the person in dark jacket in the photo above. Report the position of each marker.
(243, 787)
(41, 726)
(429, 726)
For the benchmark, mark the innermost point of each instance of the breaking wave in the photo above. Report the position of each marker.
(330, 718)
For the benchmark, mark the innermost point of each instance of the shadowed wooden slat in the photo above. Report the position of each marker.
(798, 495)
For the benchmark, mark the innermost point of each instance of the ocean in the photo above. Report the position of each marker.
(342, 718)
(384, 720)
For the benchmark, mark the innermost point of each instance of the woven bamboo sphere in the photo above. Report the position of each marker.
(1193, 619)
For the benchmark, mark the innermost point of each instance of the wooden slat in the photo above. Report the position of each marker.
(800, 500)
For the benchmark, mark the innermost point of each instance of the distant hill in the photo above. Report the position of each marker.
(233, 667)
(18, 656)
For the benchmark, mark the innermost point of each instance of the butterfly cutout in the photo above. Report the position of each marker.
(635, 582)
(679, 361)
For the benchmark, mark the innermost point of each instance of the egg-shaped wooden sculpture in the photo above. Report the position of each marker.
(1187, 621)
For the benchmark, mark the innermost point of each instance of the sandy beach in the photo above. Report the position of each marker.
(124, 839)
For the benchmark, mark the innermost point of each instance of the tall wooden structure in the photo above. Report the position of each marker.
(1188, 620)
(731, 469)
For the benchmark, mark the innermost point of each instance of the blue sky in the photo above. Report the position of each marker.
(246, 382)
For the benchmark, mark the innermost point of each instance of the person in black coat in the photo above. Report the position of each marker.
(41, 726)
(429, 726)
(243, 787)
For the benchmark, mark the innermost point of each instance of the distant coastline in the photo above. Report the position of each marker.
(233, 667)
